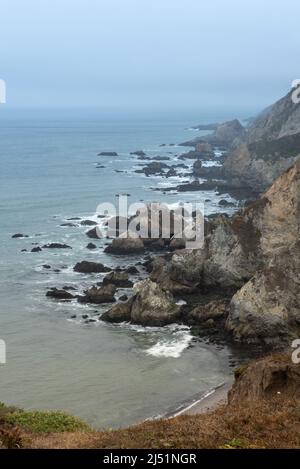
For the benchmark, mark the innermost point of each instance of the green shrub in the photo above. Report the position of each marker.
(46, 421)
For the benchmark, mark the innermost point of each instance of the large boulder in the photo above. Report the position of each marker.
(98, 295)
(123, 246)
(120, 312)
(59, 294)
(120, 279)
(87, 267)
(152, 306)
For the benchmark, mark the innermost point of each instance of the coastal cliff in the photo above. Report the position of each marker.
(271, 144)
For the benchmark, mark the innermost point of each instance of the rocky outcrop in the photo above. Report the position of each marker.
(120, 279)
(150, 306)
(267, 308)
(265, 378)
(279, 120)
(98, 295)
(153, 168)
(227, 134)
(124, 246)
(59, 294)
(257, 165)
(120, 312)
(255, 252)
(271, 146)
(87, 267)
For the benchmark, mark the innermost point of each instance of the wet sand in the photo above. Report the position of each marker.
(208, 402)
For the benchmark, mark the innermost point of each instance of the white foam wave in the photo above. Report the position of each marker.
(171, 348)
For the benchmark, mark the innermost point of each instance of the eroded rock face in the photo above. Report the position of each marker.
(265, 378)
(152, 306)
(182, 274)
(271, 146)
(267, 308)
(255, 252)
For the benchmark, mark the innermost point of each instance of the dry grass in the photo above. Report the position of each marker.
(274, 423)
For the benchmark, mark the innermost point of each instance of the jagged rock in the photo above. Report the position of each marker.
(152, 306)
(86, 267)
(123, 246)
(267, 307)
(120, 279)
(120, 312)
(270, 147)
(153, 168)
(98, 295)
(59, 294)
(182, 274)
(56, 246)
(214, 310)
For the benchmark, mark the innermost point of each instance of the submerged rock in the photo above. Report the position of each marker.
(88, 223)
(108, 153)
(19, 235)
(56, 246)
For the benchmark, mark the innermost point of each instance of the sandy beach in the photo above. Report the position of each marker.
(205, 403)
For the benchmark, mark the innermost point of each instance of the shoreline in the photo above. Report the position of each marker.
(201, 404)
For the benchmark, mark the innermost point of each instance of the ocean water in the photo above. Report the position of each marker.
(111, 375)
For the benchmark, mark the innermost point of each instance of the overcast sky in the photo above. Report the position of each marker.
(148, 53)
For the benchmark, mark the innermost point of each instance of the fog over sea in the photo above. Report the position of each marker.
(110, 375)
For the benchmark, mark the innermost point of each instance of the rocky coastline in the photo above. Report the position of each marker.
(242, 285)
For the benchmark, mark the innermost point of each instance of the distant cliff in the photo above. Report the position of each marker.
(270, 146)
